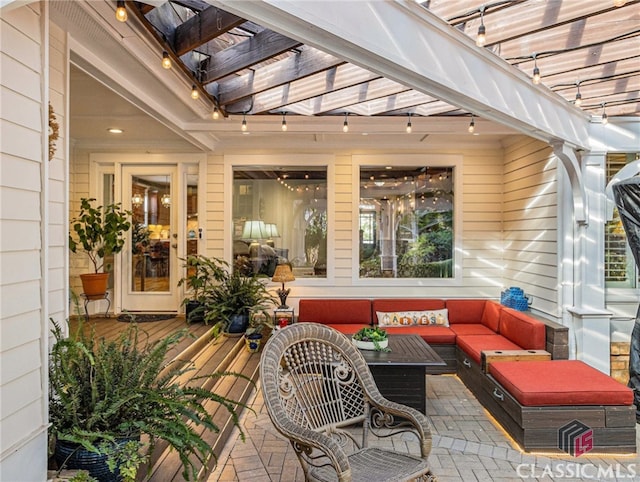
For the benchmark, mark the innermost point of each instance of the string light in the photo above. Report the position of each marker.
(536, 71)
(409, 128)
(194, 92)
(578, 101)
(605, 117)
(345, 124)
(166, 60)
(216, 113)
(481, 38)
(284, 122)
(243, 128)
(121, 11)
(472, 125)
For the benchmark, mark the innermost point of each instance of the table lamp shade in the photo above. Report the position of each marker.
(272, 230)
(283, 274)
(254, 230)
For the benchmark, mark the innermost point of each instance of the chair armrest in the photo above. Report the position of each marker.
(306, 437)
(418, 420)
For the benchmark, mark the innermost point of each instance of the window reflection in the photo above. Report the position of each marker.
(406, 222)
(280, 216)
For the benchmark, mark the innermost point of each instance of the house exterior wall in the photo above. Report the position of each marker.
(481, 244)
(530, 218)
(23, 256)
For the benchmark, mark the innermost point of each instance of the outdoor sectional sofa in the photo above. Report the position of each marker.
(537, 402)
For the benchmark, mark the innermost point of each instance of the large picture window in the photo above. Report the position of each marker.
(280, 216)
(406, 217)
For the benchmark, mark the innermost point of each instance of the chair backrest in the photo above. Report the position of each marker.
(313, 376)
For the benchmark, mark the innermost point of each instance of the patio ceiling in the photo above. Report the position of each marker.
(586, 46)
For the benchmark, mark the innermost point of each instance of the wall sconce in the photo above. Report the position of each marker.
(283, 274)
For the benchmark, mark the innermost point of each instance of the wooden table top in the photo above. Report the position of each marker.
(409, 350)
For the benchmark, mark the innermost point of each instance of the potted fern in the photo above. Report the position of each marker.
(99, 232)
(106, 395)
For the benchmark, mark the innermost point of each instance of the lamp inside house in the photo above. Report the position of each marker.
(283, 274)
(272, 232)
(254, 231)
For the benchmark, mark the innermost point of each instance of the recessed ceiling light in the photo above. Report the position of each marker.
(115, 130)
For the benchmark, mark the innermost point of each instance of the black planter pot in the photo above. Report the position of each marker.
(194, 311)
(237, 324)
(74, 456)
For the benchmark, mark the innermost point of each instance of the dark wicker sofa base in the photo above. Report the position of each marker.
(536, 428)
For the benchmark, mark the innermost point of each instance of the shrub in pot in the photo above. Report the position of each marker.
(231, 300)
(99, 232)
(105, 394)
(202, 273)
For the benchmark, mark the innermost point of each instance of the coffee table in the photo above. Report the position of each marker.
(400, 373)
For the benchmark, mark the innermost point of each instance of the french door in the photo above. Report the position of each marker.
(150, 264)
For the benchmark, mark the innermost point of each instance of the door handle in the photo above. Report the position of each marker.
(174, 245)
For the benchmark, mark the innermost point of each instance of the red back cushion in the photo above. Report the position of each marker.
(491, 315)
(335, 311)
(407, 304)
(522, 330)
(465, 311)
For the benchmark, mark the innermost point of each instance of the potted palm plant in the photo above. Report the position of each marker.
(99, 232)
(105, 395)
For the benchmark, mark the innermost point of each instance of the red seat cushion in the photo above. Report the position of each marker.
(430, 334)
(465, 311)
(559, 382)
(471, 329)
(473, 345)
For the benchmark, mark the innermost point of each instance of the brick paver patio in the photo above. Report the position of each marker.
(467, 446)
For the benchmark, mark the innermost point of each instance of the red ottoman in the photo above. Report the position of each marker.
(537, 401)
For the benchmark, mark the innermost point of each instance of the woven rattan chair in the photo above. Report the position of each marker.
(320, 394)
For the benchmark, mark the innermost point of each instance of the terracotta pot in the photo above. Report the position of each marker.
(94, 284)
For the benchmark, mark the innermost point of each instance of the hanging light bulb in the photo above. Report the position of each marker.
(578, 101)
(137, 200)
(194, 92)
(605, 117)
(536, 71)
(345, 124)
(165, 200)
(481, 38)
(409, 128)
(284, 122)
(216, 113)
(243, 127)
(472, 125)
(121, 11)
(166, 60)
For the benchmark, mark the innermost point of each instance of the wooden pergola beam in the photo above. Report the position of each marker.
(303, 64)
(260, 47)
(203, 27)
